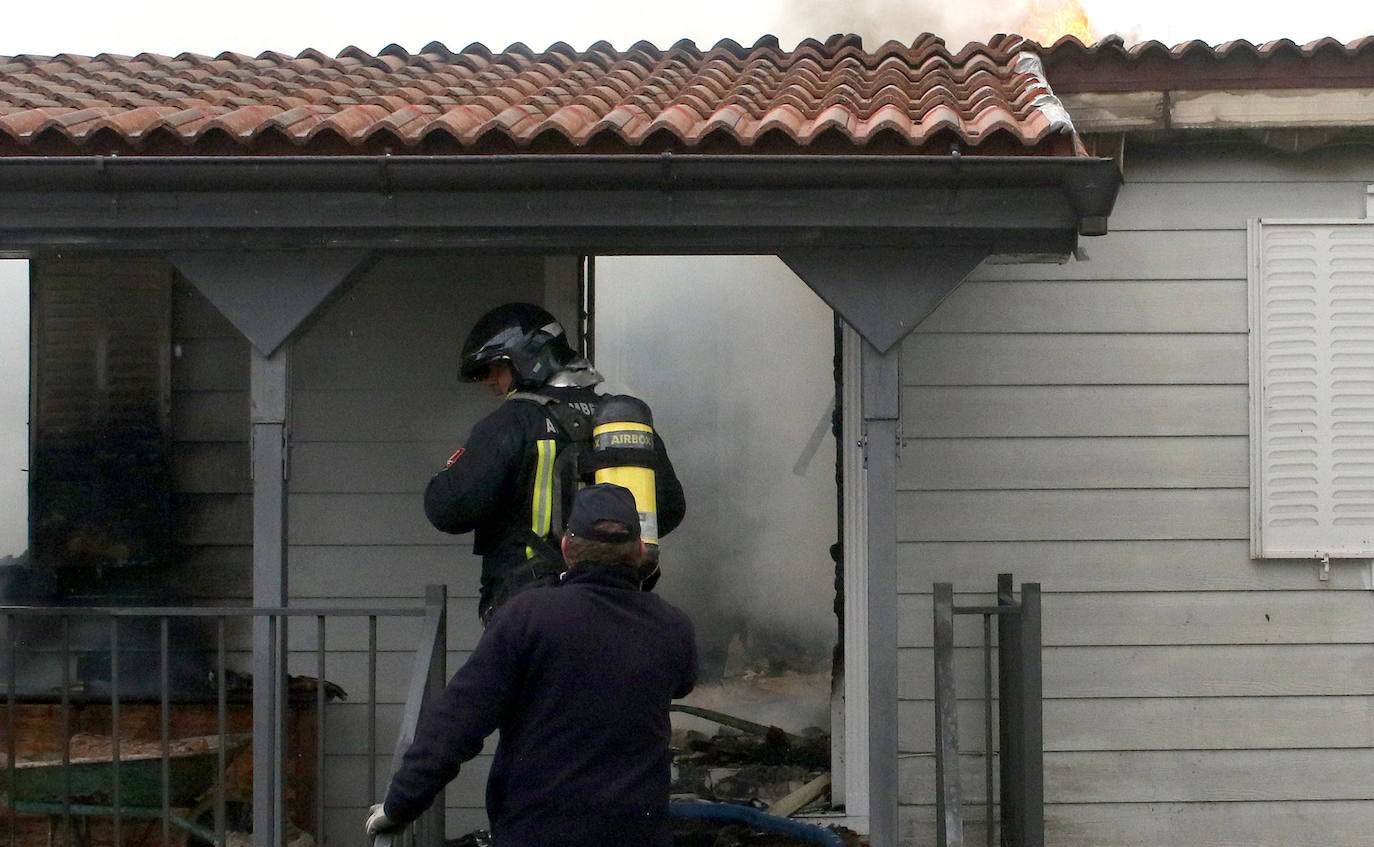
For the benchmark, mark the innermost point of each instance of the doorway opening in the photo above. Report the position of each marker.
(736, 356)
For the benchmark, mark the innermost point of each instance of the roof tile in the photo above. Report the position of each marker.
(682, 98)
(1110, 65)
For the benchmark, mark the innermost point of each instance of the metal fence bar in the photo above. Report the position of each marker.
(115, 787)
(1009, 694)
(1020, 729)
(74, 815)
(165, 684)
(371, 706)
(215, 611)
(948, 803)
(66, 726)
(1031, 778)
(987, 727)
(319, 726)
(427, 679)
(279, 753)
(222, 725)
(11, 748)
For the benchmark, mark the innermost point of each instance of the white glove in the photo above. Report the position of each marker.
(377, 821)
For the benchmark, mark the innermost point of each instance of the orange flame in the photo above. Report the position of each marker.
(1046, 21)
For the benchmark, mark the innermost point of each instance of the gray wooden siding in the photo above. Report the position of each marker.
(376, 409)
(213, 505)
(1085, 426)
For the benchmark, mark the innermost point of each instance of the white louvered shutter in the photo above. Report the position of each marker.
(1313, 412)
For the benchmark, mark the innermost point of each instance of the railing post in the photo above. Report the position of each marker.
(1032, 774)
(1009, 712)
(1021, 710)
(948, 802)
(436, 604)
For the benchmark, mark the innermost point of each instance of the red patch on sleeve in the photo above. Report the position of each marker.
(454, 457)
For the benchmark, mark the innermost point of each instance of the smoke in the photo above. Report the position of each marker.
(734, 356)
(878, 21)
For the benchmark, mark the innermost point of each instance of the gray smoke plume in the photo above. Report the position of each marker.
(878, 21)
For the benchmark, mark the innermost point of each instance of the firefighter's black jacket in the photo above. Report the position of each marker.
(578, 678)
(489, 489)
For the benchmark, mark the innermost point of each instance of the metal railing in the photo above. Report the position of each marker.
(427, 679)
(1020, 750)
(153, 785)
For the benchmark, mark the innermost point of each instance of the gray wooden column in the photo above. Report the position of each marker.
(269, 295)
(881, 387)
(268, 389)
(883, 293)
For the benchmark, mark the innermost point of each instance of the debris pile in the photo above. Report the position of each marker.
(745, 763)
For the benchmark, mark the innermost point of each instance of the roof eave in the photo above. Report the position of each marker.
(557, 200)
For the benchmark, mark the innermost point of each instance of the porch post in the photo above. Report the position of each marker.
(881, 385)
(268, 388)
(269, 295)
(883, 294)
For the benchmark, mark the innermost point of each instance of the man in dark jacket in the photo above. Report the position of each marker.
(506, 484)
(578, 677)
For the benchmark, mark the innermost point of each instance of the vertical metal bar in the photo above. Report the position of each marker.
(11, 751)
(987, 725)
(1032, 726)
(279, 717)
(1009, 712)
(319, 728)
(371, 708)
(948, 809)
(264, 670)
(164, 648)
(66, 726)
(436, 599)
(222, 724)
(115, 786)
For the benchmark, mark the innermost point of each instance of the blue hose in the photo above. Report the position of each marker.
(704, 811)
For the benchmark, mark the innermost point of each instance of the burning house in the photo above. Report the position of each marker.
(977, 389)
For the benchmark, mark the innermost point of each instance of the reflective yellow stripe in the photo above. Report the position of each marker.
(622, 426)
(541, 507)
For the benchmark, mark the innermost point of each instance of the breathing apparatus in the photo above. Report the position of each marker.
(622, 452)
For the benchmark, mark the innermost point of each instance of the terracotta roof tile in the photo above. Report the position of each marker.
(1111, 65)
(916, 98)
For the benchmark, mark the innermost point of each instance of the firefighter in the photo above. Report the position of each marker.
(512, 482)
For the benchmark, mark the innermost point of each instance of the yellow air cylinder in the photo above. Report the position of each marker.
(622, 452)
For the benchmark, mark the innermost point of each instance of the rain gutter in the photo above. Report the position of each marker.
(1090, 184)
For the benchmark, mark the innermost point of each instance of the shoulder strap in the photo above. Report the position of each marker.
(577, 426)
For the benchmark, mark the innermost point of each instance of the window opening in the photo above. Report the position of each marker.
(14, 408)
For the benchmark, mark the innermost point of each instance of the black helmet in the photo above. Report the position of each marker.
(527, 337)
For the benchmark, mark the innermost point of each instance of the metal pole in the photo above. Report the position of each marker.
(66, 727)
(1009, 712)
(371, 708)
(987, 726)
(10, 747)
(1032, 720)
(222, 721)
(436, 598)
(319, 729)
(165, 650)
(949, 820)
(115, 787)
